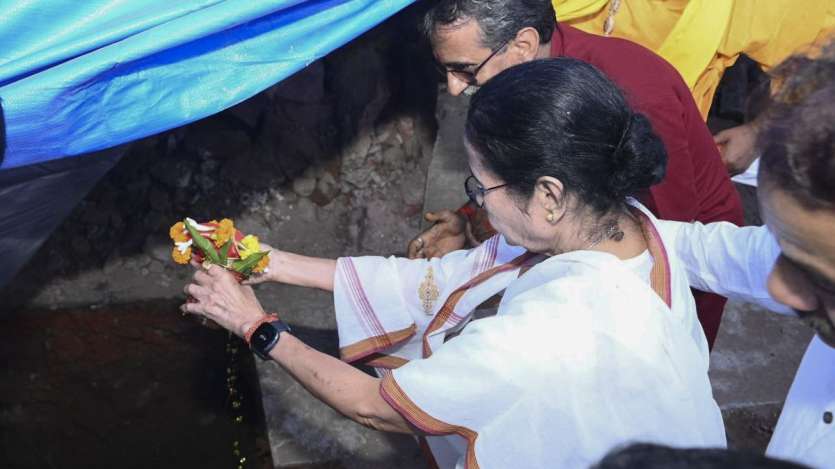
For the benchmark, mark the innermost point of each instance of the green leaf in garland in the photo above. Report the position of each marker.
(203, 244)
(245, 266)
(224, 253)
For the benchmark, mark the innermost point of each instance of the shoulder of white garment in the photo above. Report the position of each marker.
(726, 259)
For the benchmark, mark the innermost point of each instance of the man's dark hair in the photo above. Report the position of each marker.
(499, 20)
(649, 456)
(563, 118)
(797, 135)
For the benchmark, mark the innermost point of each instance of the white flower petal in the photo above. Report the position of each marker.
(198, 226)
(183, 246)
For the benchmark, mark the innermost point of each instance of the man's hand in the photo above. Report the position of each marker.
(737, 147)
(446, 235)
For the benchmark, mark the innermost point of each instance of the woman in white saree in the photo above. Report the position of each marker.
(596, 341)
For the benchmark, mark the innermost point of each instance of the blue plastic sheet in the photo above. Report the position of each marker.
(80, 76)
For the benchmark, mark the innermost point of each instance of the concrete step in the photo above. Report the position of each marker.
(302, 431)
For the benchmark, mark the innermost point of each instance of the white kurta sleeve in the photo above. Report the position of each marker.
(726, 259)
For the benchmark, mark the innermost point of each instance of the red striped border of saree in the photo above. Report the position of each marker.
(394, 395)
(448, 309)
(381, 360)
(660, 278)
(364, 348)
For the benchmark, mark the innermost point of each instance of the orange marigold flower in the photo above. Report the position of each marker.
(179, 233)
(181, 257)
(262, 264)
(224, 232)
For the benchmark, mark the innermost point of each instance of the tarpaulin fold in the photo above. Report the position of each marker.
(77, 77)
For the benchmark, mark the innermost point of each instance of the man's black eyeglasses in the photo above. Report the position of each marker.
(476, 192)
(468, 76)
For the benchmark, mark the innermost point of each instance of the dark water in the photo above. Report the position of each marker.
(134, 385)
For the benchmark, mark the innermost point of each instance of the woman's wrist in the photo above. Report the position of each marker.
(252, 320)
(279, 259)
(247, 328)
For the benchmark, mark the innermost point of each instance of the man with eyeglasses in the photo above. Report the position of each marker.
(474, 40)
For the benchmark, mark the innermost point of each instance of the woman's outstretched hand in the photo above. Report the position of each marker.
(218, 296)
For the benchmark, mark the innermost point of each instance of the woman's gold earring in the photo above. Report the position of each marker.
(551, 217)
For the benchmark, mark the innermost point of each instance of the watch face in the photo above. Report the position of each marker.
(263, 339)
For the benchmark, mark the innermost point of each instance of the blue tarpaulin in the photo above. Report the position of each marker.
(80, 76)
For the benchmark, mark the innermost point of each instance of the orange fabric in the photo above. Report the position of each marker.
(371, 345)
(394, 395)
(381, 360)
(449, 305)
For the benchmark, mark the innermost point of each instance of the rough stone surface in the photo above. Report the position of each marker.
(448, 169)
(304, 185)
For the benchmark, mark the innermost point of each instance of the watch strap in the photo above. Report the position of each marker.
(251, 330)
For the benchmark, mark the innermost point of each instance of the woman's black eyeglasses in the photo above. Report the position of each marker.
(476, 192)
(468, 76)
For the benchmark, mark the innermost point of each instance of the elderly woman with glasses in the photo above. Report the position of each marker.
(595, 343)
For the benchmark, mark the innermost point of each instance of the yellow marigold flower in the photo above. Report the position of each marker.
(178, 232)
(181, 257)
(224, 232)
(262, 264)
(248, 246)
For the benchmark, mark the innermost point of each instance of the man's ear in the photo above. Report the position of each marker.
(525, 46)
(549, 194)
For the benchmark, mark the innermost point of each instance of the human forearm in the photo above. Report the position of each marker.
(304, 271)
(349, 391)
(218, 296)
(726, 259)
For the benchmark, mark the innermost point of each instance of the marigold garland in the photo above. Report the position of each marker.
(179, 233)
(218, 243)
(262, 265)
(224, 231)
(181, 257)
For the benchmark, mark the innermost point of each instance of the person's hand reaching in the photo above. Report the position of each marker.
(446, 235)
(737, 147)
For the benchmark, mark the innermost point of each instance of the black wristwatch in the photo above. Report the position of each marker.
(265, 337)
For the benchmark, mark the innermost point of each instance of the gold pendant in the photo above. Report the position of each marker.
(428, 291)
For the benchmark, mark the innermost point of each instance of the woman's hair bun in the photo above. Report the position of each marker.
(565, 119)
(640, 159)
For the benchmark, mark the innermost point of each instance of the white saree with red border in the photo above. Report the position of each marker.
(584, 353)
